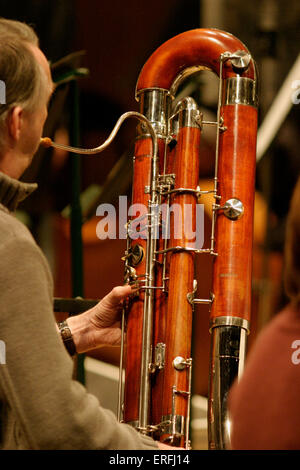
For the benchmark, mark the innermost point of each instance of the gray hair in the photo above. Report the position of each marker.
(21, 30)
(24, 79)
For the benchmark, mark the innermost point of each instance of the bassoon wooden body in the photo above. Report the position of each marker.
(158, 363)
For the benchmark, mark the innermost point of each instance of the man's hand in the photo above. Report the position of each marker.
(100, 325)
(105, 316)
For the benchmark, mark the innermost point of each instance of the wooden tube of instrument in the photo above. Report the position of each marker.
(236, 179)
(181, 273)
(231, 308)
(160, 303)
(195, 50)
(134, 321)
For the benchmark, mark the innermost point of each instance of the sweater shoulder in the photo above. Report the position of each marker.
(17, 242)
(12, 228)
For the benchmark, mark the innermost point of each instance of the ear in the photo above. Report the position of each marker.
(15, 122)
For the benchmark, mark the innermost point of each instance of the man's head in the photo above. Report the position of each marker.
(25, 71)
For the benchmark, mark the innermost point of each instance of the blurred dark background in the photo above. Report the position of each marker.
(117, 38)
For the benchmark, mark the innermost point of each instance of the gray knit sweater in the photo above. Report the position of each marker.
(41, 406)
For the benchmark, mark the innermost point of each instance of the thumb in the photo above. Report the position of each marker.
(116, 295)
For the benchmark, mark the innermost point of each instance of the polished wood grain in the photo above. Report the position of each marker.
(160, 325)
(234, 239)
(181, 272)
(134, 323)
(195, 48)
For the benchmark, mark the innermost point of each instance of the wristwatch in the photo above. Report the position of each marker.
(67, 337)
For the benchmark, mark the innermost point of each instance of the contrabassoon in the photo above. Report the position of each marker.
(163, 236)
(158, 363)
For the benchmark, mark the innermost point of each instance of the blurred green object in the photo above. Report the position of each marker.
(23, 217)
(118, 182)
(87, 198)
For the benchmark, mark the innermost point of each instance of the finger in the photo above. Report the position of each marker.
(117, 294)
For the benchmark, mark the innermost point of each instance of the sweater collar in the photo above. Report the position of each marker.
(13, 191)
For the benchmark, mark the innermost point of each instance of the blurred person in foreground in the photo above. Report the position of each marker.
(264, 405)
